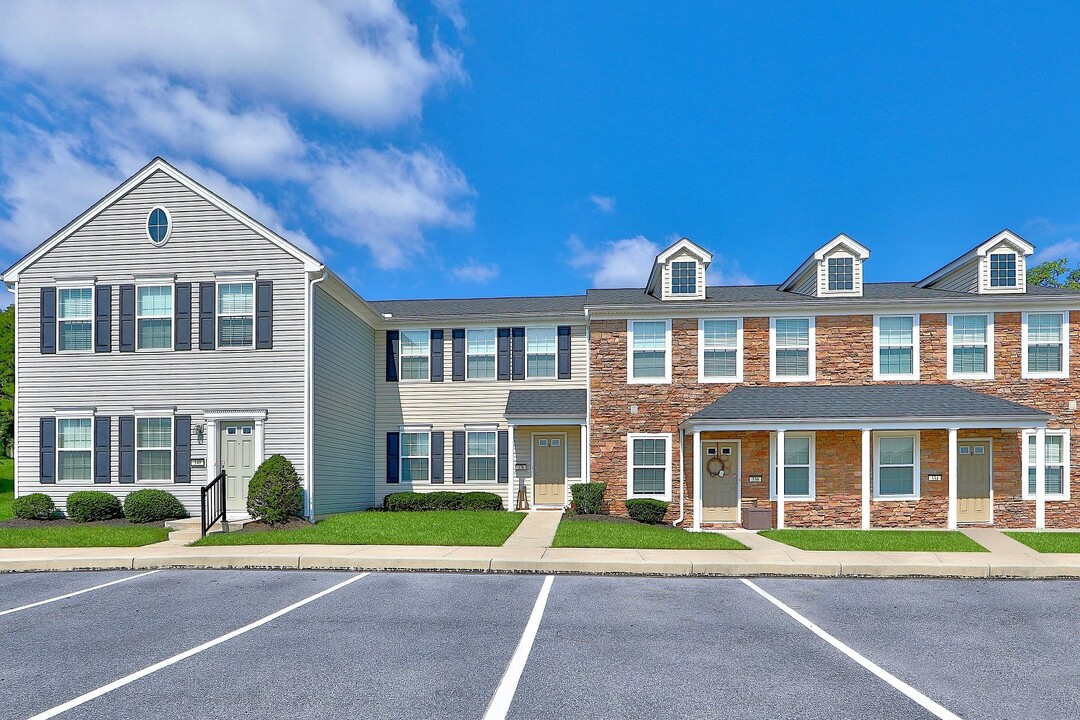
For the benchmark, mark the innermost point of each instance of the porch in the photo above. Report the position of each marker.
(549, 447)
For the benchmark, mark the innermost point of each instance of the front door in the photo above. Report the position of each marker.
(549, 469)
(720, 482)
(238, 462)
(973, 481)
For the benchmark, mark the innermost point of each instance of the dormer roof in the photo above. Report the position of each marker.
(970, 272)
(683, 249)
(811, 277)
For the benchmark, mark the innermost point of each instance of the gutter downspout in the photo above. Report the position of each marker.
(309, 394)
(682, 479)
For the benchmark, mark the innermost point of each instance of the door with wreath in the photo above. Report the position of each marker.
(720, 482)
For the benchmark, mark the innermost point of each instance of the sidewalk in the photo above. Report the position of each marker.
(528, 550)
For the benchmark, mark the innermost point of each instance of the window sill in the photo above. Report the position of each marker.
(791, 379)
(795, 498)
(662, 498)
(1045, 376)
(972, 376)
(648, 381)
(733, 380)
(1048, 498)
(879, 377)
(896, 498)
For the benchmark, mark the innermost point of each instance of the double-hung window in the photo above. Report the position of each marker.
(154, 317)
(74, 449)
(897, 466)
(650, 352)
(799, 474)
(792, 349)
(650, 466)
(480, 354)
(971, 347)
(1045, 353)
(684, 278)
(841, 273)
(480, 456)
(1056, 461)
(720, 350)
(236, 315)
(75, 319)
(896, 354)
(1003, 270)
(416, 457)
(540, 352)
(415, 354)
(154, 448)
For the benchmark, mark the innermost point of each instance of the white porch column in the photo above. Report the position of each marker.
(781, 487)
(585, 453)
(951, 516)
(697, 480)
(866, 480)
(1040, 478)
(512, 481)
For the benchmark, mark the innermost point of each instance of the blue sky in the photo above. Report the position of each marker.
(481, 149)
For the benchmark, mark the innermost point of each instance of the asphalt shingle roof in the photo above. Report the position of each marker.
(560, 403)
(540, 305)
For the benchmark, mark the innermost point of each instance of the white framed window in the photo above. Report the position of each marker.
(540, 348)
(971, 347)
(236, 315)
(720, 350)
(1056, 459)
(648, 344)
(792, 356)
(840, 272)
(480, 354)
(1046, 345)
(896, 465)
(415, 356)
(684, 277)
(800, 457)
(154, 317)
(158, 225)
(74, 449)
(648, 466)
(896, 347)
(153, 449)
(1003, 270)
(415, 456)
(75, 319)
(480, 455)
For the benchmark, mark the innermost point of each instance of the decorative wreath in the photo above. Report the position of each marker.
(716, 466)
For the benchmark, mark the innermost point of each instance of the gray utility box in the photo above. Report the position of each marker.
(755, 518)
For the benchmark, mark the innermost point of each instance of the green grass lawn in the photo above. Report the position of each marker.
(1049, 542)
(600, 534)
(876, 540)
(7, 487)
(435, 527)
(89, 535)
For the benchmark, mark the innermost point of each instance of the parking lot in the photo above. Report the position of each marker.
(228, 644)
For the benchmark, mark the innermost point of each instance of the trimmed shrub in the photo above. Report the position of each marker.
(441, 500)
(274, 493)
(481, 501)
(588, 497)
(35, 506)
(151, 505)
(93, 505)
(647, 510)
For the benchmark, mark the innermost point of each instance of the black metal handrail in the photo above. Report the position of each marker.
(213, 503)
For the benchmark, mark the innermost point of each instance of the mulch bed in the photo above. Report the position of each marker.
(64, 522)
(601, 518)
(290, 524)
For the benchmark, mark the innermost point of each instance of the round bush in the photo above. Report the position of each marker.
(588, 497)
(35, 506)
(93, 505)
(481, 501)
(647, 510)
(274, 493)
(151, 505)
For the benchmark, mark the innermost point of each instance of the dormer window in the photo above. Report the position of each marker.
(841, 273)
(684, 278)
(1003, 270)
(833, 270)
(678, 273)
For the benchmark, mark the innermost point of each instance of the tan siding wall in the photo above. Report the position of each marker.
(964, 279)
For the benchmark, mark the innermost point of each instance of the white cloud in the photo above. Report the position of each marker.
(725, 271)
(451, 10)
(617, 263)
(1067, 248)
(475, 272)
(603, 203)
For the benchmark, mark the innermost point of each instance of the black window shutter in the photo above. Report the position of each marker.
(459, 456)
(127, 318)
(103, 318)
(207, 315)
(564, 352)
(504, 456)
(182, 334)
(127, 449)
(437, 457)
(182, 448)
(503, 361)
(393, 456)
(519, 353)
(102, 449)
(48, 322)
(458, 335)
(436, 356)
(47, 445)
(392, 338)
(264, 314)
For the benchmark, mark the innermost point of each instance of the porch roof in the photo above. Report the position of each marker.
(567, 404)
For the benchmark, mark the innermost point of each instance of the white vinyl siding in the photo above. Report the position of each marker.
(720, 344)
(480, 456)
(540, 349)
(415, 355)
(896, 347)
(74, 449)
(75, 319)
(649, 465)
(792, 356)
(649, 344)
(415, 457)
(154, 317)
(236, 315)
(480, 354)
(896, 466)
(1045, 338)
(800, 477)
(1056, 460)
(971, 347)
(153, 449)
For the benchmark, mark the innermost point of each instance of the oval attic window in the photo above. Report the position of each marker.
(158, 226)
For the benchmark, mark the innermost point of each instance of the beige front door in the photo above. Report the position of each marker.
(238, 462)
(720, 482)
(973, 481)
(549, 469)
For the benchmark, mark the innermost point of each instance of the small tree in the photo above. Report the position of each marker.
(1054, 273)
(274, 494)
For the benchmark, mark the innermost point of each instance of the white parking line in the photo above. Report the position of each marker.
(504, 695)
(77, 592)
(104, 689)
(938, 710)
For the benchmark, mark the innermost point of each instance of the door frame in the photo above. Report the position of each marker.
(990, 443)
(213, 419)
(532, 466)
(738, 471)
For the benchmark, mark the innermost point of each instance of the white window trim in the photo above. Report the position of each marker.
(989, 374)
(241, 280)
(93, 459)
(788, 497)
(738, 376)
(555, 353)
(93, 306)
(401, 355)
(171, 284)
(811, 363)
(1066, 484)
(172, 447)
(494, 456)
(630, 438)
(835, 258)
(914, 374)
(168, 227)
(494, 354)
(630, 379)
(671, 279)
(916, 481)
(1064, 372)
(401, 452)
(990, 286)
